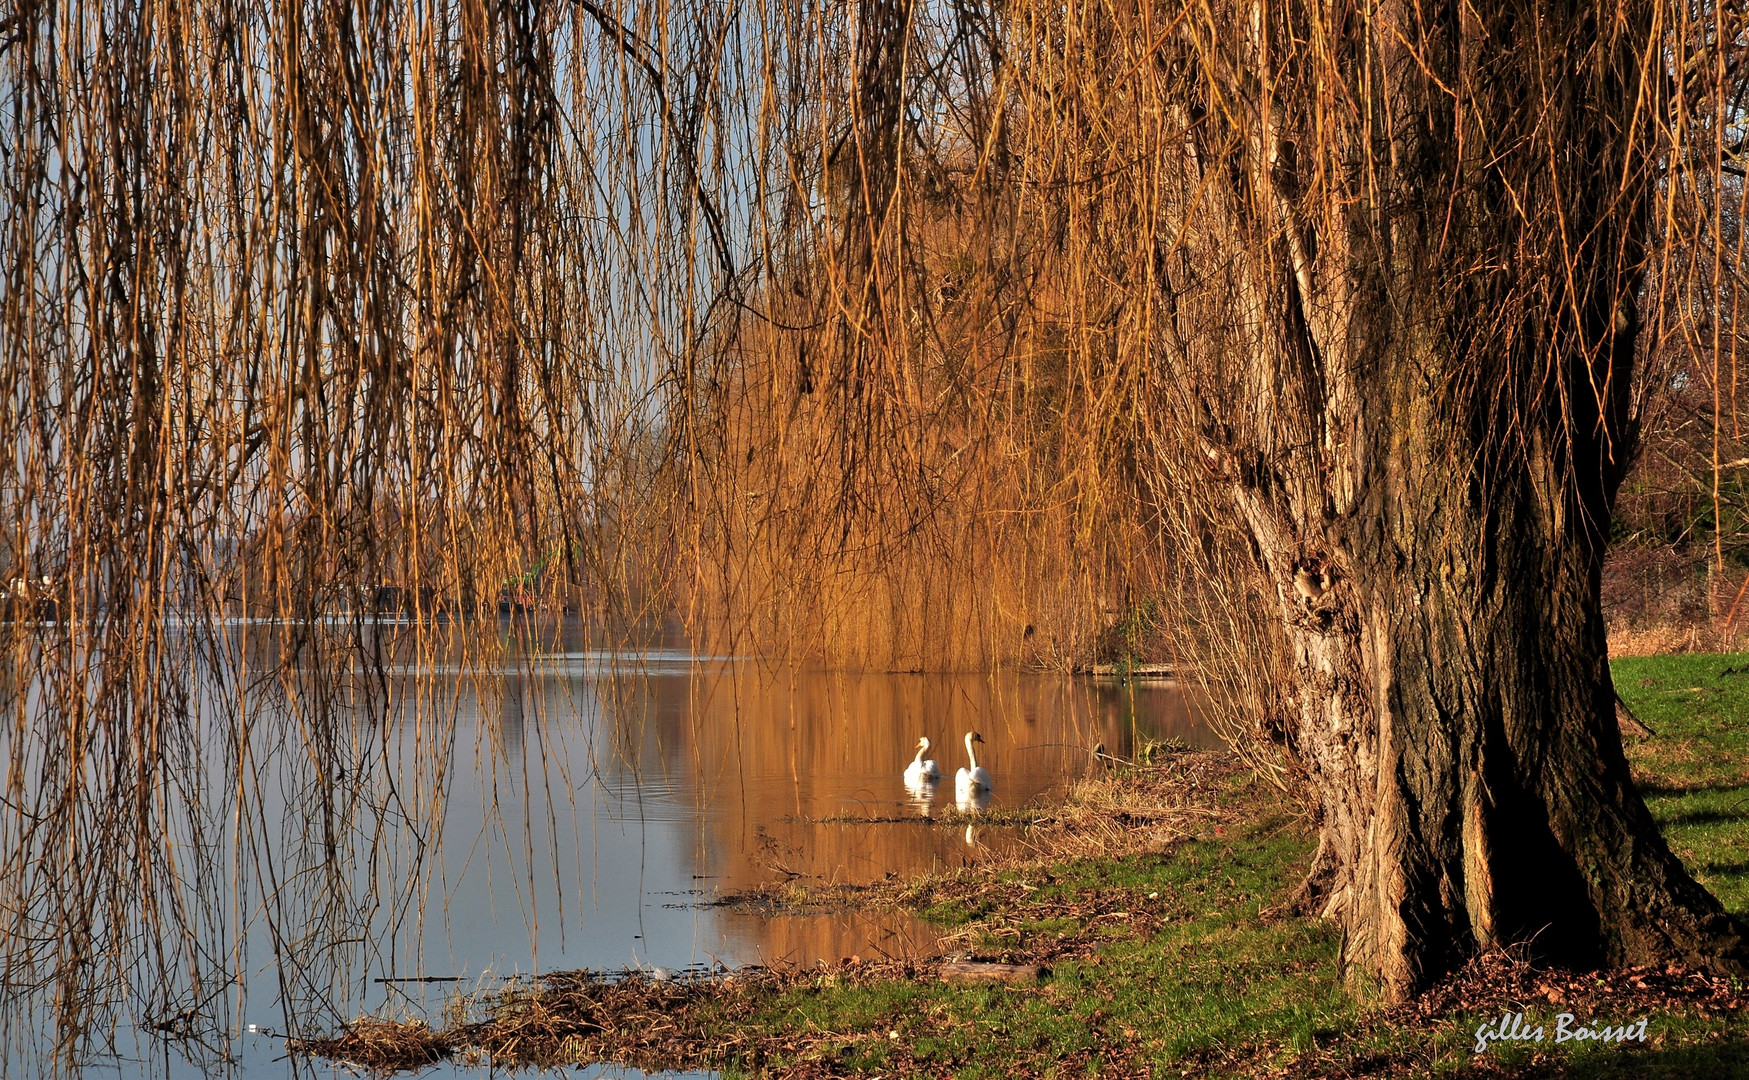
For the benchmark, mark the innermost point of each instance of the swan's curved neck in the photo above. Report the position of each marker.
(918, 760)
(970, 753)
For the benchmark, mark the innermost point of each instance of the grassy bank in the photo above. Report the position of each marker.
(1694, 769)
(1149, 900)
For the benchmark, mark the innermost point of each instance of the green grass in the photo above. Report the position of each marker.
(1214, 976)
(1694, 770)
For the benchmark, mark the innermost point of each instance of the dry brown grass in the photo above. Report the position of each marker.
(575, 1018)
(1709, 636)
(381, 1045)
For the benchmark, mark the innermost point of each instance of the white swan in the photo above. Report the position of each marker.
(967, 782)
(922, 771)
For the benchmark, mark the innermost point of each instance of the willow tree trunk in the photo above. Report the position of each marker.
(1454, 709)
(1407, 309)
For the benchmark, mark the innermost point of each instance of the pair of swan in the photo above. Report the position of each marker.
(966, 782)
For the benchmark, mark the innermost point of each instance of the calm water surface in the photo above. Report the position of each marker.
(569, 809)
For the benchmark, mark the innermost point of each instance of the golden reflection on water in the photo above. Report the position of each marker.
(797, 776)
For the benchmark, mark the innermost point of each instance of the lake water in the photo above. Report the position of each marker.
(556, 808)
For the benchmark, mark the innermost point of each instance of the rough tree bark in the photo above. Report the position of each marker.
(1443, 210)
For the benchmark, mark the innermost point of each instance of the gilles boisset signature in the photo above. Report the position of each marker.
(1512, 1028)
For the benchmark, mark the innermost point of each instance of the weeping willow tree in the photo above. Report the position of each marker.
(1340, 315)
(886, 334)
(1401, 308)
(1359, 293)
